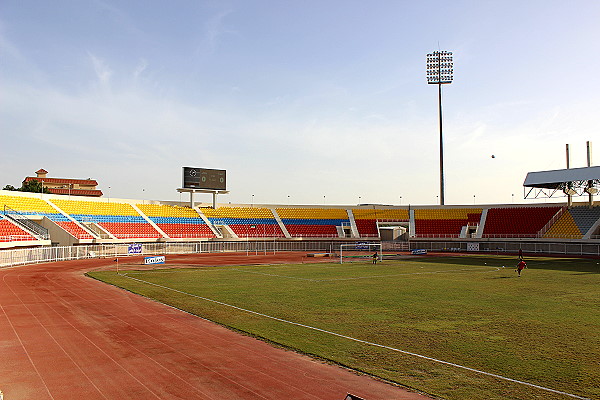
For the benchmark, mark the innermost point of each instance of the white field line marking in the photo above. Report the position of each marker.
(361, 341)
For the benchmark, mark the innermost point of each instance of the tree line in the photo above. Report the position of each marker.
(33, 185)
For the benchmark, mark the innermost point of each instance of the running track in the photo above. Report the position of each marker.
(66, 336)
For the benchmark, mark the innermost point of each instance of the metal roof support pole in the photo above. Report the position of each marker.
(590, 183)
(569, 195)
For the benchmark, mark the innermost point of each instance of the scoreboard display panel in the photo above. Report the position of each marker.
(203, 178)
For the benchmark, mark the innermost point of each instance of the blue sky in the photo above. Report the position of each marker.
(321, 101)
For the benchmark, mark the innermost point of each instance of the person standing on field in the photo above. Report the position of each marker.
(520, 266)
(375, 256)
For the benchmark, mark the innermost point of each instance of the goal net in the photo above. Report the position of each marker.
(360, 252)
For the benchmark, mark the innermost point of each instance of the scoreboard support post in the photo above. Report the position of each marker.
(213, 192)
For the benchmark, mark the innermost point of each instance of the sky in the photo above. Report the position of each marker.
(302, 102)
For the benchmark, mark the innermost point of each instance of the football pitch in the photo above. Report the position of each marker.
(464, 327)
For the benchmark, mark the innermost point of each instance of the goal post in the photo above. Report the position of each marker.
(360, 252)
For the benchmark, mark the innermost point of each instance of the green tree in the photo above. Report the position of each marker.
(10, 187)
(34, 186)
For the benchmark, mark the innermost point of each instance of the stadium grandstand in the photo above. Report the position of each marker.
(36, 219)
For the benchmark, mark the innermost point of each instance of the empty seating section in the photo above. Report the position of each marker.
(313, 222)
(390, 214)
(177, 222)
(35, 206)
(9, 232)
(444, 222)
(119, 219)
(366, 219)
(367, 227)
(27, 205)
(517, 221)
(564, 227)
(574, 223)
(245, 221)
(585, 217)
(74, 229)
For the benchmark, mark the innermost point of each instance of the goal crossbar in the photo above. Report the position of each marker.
(359, 252)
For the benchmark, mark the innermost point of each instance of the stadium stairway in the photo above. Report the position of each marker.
(71, 226)
(208, 223)
(353, 227)
(280, 223)
(136, 208)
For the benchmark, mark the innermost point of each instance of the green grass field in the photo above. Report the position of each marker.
(542, 328)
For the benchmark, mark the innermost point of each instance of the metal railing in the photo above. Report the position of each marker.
(14, 257)
(437, 236)
(549, 224)
(25, 223)
(16, 238)
(511, 246)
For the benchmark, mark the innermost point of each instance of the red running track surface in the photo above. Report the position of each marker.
(66, 336)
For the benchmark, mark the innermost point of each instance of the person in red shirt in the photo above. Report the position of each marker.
(520, 266)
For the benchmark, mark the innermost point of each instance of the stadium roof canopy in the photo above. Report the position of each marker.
(573, 181)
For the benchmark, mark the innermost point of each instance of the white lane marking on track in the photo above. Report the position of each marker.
(56, 341)
(94, 344)
(364, 341)
(237, 383)
(26, 352)
(249, 349)
(137, 350)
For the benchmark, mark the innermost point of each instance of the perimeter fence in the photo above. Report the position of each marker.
(38, 255)
(510, 247)
(14, 257)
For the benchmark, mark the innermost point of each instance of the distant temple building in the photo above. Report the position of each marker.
(72, 187)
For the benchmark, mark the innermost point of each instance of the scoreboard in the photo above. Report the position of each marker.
(202, 178)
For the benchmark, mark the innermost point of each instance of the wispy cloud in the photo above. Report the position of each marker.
(213, 29)
(102, 70)
(139, 69)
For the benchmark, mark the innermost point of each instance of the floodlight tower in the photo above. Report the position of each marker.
(440, 70)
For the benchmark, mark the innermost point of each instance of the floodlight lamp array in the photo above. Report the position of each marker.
(440, 68)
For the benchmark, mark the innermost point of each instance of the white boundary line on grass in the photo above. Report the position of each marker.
(362, 341)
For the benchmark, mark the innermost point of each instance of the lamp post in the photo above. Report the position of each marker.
(439, 72)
